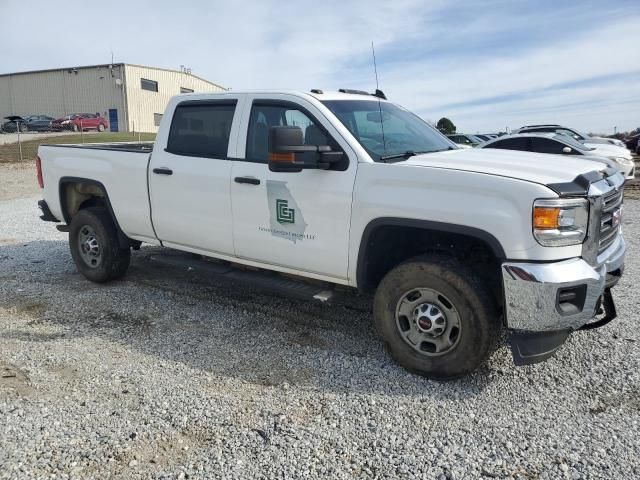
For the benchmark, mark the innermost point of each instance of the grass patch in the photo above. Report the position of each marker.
(11, 153)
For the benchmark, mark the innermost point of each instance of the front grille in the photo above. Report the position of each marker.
(609, 224)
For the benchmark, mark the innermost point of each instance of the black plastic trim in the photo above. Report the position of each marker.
(610, 312)
(579, 186)
(483, 235)
(117, 147)
(46, 216)
(528, 348)
(122, 238)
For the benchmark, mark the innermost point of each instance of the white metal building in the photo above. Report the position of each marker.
(130, 97)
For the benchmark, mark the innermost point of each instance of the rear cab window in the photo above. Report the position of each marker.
(201, 128)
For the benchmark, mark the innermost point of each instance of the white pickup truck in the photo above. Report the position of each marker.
(348, 189)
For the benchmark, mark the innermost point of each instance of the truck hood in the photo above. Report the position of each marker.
(531, 167)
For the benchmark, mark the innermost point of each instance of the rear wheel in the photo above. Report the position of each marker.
(96, 251)
(101, 128)
(436, 317)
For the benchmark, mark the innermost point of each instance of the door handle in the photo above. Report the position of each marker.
(247, 180)
(163, 171)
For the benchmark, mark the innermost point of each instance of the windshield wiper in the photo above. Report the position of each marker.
(405, 155)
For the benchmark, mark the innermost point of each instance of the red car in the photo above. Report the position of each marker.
(80, 122)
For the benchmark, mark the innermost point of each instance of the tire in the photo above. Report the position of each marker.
(75, 128)
(101, 128)
(24, 129)
(455, 294)
(93, 240)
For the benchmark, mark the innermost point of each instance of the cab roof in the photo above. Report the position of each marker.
(342, 94)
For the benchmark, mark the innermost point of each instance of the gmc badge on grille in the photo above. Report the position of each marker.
(616, 218)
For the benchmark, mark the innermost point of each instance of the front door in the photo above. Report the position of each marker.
(295, 220)
(113, 120)
(189, 178)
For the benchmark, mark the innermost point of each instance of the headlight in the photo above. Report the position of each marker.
(560, 222)
(622, 160)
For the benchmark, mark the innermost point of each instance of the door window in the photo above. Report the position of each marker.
(201, 129)
(521, 143)
(265, 116)
(547, 145)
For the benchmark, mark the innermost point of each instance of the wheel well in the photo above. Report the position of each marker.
(385, 246)
(77, 195)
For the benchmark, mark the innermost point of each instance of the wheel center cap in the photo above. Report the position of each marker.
(429, 319)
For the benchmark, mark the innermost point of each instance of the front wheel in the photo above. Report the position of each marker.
(101, 128)
(436, 317)
(96, 251)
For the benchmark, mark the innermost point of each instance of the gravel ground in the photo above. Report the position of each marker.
(167, 375)
(18, 180)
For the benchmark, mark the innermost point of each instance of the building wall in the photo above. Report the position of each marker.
(62, 92)
(145, 108)
(94, 89)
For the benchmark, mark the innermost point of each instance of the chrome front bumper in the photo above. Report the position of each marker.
(533, 291)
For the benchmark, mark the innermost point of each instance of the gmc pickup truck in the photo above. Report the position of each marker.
(348, 189)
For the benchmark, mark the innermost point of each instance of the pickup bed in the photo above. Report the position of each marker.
(350, 189)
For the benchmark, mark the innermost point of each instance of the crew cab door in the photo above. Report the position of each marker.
(189, 176)
(297, 220)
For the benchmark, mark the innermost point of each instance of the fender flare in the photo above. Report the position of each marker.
(441, 227)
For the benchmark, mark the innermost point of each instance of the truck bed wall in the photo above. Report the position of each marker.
(122, 173)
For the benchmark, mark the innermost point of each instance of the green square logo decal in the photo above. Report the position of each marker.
(284, 214)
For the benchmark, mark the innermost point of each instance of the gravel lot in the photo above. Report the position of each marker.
(167, 375)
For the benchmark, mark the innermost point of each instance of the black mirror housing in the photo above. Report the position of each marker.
(287, 142)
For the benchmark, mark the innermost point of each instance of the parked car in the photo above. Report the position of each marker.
(465, 140)
(581, 137)
(631, 142)
(555, 143)
(452, 242)
(80, 122)
(483, 137)
(29, 123)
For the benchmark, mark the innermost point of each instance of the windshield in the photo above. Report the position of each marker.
(403, 131)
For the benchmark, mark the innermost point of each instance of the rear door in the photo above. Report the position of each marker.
(189, 176)
(296, 220)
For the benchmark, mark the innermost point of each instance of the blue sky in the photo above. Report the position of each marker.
(485, 65)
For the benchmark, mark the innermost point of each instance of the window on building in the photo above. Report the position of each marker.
(185, 90)
(148, 85)
(157, 118)
(201, 129)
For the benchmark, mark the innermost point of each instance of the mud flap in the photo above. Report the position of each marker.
(528, 348)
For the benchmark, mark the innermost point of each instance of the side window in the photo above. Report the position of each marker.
(201, 129)
(265, 116)
(511, 144)
(546, 145)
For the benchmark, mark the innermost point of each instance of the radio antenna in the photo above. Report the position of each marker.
(375, 70)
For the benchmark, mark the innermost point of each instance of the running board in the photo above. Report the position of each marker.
(260, 279)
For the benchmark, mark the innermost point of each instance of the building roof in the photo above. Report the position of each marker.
(107, 65)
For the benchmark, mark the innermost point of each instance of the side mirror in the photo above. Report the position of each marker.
(566, 150)
(288, 153)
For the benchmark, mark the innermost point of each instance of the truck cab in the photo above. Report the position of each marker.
(351, 189)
